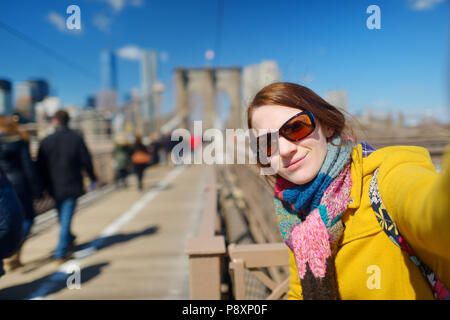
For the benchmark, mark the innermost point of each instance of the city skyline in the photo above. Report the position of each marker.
(401, 67)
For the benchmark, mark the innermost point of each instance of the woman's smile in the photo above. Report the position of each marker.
(293, 165)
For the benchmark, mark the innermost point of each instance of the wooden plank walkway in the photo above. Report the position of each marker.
(130, 244)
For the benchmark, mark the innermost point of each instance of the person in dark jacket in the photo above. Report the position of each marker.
(11, 220)
(16, 162)
(61, 158)
(122, 161)
(140, 159)
(155, 148)
(168, 145)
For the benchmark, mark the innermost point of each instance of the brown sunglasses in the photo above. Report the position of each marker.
(294, 129)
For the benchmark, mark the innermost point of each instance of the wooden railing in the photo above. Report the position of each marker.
(254, 258)
(206, 251)
(266, 260)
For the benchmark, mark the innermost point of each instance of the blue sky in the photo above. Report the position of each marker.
(324, 45)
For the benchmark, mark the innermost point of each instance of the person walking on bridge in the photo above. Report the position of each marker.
(122, 160)
(16, 163)
(140, 159)
(12, 217)
(61, 158)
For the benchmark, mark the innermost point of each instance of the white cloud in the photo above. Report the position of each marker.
(102, 22)
(118, 5)
(133, 52)
(130, 52)
(57, 20)
(420, 5)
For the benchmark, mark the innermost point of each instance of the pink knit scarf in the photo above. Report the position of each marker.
(314, 240)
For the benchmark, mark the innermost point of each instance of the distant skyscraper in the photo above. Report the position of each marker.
(149, 72)
(5, 98)
(28, 94)
(39, 89)
(90, 102)
(106, 102)
(108, 70)
(254, 78)
(106, 98)
(23, 98)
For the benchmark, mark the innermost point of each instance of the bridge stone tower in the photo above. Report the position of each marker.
(207, 82)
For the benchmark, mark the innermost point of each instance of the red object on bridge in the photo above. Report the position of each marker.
(195, 141)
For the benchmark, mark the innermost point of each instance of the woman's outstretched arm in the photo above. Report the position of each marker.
(418, 198)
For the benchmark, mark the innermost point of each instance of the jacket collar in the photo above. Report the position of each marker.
(61, 128)
(362, 166)
(357, 174)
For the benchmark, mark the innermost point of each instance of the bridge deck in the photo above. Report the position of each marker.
(130, 245)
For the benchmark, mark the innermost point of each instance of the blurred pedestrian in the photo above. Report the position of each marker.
(155, 149)
(176, 156)
(140, 159)
(122, 161)
(167, 146)
(62, 157)
(11, 220)
(16, 163)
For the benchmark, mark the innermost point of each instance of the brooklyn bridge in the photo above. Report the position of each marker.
(196, 231)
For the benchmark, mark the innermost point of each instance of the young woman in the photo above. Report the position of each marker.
(359, 223)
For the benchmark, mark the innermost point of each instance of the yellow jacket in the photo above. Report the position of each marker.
(368, 264)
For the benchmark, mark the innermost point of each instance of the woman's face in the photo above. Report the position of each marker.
(300, 161)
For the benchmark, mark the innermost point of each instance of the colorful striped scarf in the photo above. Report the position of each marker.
(309, 219)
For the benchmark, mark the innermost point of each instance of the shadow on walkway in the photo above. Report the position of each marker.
(50, 284)
(86, 249)
(109, 241)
